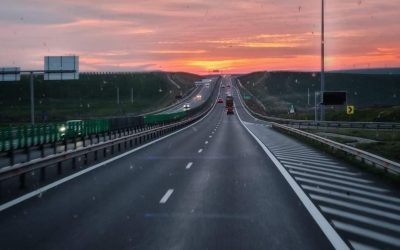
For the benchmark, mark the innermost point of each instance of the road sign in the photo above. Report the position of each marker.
(334, 98)
(291, 111)
(10, 74)
(350, 109)
(247, 97)
(61, 67)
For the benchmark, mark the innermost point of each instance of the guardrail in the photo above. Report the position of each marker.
(363, 156)
(330, 124)
(21, 170)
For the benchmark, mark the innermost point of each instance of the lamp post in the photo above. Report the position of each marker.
(322, 108)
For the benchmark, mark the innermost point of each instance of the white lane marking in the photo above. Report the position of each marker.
(360, 218)
(308, 160)
(322, 222)
(306, 157)
(360, 246)
(367, 233)
(349, 189)
(89, 169)
(310, 163)
(189, 165)
(200, 150)
(355, 207)
(166, 196)
(340, 176)
(210, 136)
(212, 132)
(335, 180)
(206, 142)
(352, 197)
(325, 169)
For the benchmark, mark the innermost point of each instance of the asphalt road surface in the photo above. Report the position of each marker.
(199, 96)
(210, 186)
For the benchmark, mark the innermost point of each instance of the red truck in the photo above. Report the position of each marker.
(229, 105)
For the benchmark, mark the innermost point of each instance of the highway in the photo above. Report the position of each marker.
(212, 185)
(196, 98)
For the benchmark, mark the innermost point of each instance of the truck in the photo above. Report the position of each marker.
(229, 105)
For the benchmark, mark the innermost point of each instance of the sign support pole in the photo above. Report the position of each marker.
(322, 108)
(32, 98)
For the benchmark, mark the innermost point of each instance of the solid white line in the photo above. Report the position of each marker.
(325, 169)
(311, 164)
(166, 196)
(349, 189)
(319, 177)
(340, 176)
(189, 165)
(303, 156)
(200, 150)
(355, 207)
(308, 160)
(206, 142)
(325, 226)
(89, 169)
(367, 233)
(352, 197)
(360, 246)
(297, 154)
(360, 218)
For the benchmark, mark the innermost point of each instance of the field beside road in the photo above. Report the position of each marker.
(376, 96)
(93, 95)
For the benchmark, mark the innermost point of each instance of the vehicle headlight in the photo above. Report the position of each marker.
(62, 129)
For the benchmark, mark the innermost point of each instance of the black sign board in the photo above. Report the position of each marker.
(334, 98)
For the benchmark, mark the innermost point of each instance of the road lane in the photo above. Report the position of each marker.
(231, 197)
(348, 198)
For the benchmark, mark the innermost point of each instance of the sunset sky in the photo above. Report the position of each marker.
(200, 35)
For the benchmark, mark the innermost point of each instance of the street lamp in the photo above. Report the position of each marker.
(322, 108)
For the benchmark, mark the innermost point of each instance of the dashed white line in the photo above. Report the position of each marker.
(200, 150)
(206, 142)
(189, 165)
(210, 136)
(166, 196)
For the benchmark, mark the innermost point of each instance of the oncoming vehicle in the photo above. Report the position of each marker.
(71, 128)
(186, 106)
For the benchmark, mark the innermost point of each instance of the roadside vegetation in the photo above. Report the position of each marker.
(93, 95)
(376, 97)
(386, 143)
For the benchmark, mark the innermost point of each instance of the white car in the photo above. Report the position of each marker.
(186, 106)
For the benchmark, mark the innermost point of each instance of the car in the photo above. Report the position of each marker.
(71, 128)
(198, 96)
(186, 106)
(220, 100)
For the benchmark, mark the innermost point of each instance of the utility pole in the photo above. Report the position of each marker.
(117, 95)
(308, 96)
(315, 106)
(132, 95)
(322, 108)
(32, 98)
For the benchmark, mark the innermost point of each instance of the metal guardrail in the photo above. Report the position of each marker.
(22, 169)
(331, 124)
(358, 154)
